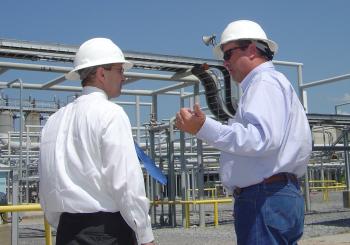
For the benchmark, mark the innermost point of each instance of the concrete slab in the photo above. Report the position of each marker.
(339, 239)
(5, 234)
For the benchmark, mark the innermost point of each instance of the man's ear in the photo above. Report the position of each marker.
(253, 52)
(100, 74)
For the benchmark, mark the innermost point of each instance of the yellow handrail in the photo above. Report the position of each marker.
(215, 202)
(20, 208)
(320, 181)
(30, 207)
(326, 185)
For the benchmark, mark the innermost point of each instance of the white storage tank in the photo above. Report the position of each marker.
(32, 123)
(32, 119)
(6, 125)
(6, 121)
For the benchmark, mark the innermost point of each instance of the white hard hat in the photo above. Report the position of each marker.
(243, 30)
(94, 52)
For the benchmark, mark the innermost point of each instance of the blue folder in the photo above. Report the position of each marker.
(150, 165)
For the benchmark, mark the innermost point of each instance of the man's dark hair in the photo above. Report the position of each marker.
(261, 46)
(264, 49)
(87, 74)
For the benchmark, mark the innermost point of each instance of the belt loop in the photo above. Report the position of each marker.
(262, 186)
(288, 176)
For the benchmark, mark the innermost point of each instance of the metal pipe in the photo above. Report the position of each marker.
(27, 164)
(325, 81)
(78, 89)
(62, 69)
(346, 159)
(287, 63)
(200, 170)
(33, 67)
(153, 184)
(161, 77)
(138, 120)
(17, 176)
(137, 102)
(54, 82)
(300, 85)
(171, 173)
(171, 87)
(183, 167)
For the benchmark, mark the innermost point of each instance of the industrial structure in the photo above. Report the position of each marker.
(158, 85)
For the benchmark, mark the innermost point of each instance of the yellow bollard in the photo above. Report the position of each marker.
(187, 214)
(216, 214)
(325, 194)
(48, 237)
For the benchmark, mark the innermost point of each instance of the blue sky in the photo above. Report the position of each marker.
(315, 33)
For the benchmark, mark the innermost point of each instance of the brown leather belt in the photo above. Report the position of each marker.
(272, 179)
(281, 177)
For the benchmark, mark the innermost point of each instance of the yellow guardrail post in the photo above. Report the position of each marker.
(325, 194)
(216, 214)
(48, 237)
(187, 214)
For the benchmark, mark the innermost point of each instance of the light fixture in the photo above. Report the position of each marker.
(209, 40)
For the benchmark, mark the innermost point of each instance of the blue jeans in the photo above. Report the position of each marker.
(269, 214)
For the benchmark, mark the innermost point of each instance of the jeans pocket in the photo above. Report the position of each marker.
(284, 212)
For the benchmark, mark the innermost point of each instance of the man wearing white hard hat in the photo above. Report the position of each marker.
(265, 148)
(91, 183)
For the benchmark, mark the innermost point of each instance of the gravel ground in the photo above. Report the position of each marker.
(326, 218)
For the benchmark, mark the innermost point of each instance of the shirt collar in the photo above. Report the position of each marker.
(249, 78)
(90, 89)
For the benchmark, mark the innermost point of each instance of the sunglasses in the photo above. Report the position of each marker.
(228, 53)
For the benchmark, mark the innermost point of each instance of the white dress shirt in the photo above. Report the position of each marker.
(88, 163)
(269, 134)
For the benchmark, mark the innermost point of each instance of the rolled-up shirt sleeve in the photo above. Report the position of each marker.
(123, 176)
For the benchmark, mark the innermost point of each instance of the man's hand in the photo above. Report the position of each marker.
(190, 121)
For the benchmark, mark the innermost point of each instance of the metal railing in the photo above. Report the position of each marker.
(30, 207)
(187, 204)
(325, 186)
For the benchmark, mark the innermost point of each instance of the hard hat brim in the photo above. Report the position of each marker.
(220, 55)
(74, 75)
